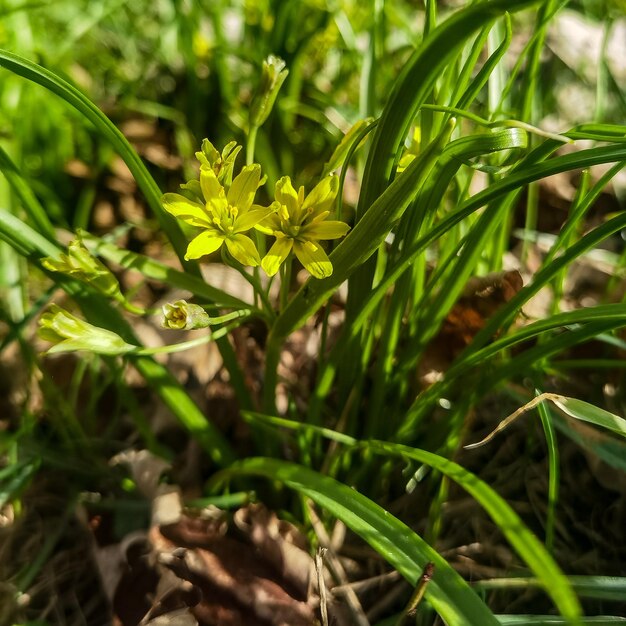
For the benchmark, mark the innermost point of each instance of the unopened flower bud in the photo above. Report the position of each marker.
(79, 263)
(273, 75)
(222, 164)
(181, 315)
(71, 334)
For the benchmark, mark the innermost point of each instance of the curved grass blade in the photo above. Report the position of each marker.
(37, 74)
(526, 544)
(606, 312)
(99, 311)
(449, 594)
(609, 449)
(586, 412)
(25, 194)
(553, 473)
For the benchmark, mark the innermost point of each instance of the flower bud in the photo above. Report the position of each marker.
(182, 315)
(272, 77)
(70, 334)
(79, 263)
(221, 164)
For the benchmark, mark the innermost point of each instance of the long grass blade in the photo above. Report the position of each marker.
(405, 550)
(47, 79)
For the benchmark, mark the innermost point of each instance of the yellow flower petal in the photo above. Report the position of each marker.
(250, 219)
(276, 255)
(314, 259)
(211, 187)
(286, 195)
(324, 230)
(218, 207)
(205, 243)
(272, 222)
(186, 210)
(322, 196)
(242, 191)
(243, 250)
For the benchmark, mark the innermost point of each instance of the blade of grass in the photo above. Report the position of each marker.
(410, 90)
(397, 543)
(37, 74)
(611, 588)
(553, 473)
(551, 620)
(609, 449)
(526, 544)
(519, 536)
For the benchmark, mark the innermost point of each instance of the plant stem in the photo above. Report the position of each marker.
(285, 283)
(192, 343)
(250, 146)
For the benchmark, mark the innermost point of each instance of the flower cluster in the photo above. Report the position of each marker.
(223, 207)
(300, 223)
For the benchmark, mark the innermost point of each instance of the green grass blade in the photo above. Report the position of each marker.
(611, 588)
(606, 312)
(26, 196)
(37, 74)
(526, 544)
(586, 412)
(449, 594)
(609, 449)
(551, 620)
(14, 478)
(553, 473)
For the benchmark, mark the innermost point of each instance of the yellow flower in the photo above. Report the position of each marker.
(299, 223)
(224, 216)
(412, 151)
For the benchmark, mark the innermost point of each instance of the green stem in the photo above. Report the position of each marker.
(285, 284)
(250, 146)
(193, 343)
(253, 280)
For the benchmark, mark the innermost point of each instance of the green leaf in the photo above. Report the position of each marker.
(449, 594)
(611, 588)
(551, 620)
(37, 74)
(589, 413)
(526, 544)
